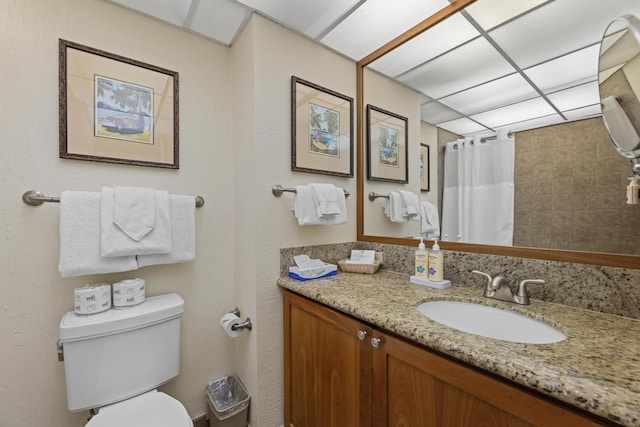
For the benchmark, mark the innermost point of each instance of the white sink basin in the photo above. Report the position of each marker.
(491, 322)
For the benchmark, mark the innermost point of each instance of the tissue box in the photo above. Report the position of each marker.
(313, 272)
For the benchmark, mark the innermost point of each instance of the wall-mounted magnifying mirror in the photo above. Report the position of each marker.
(619, 81)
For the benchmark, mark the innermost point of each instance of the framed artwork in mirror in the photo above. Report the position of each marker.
(321, 130)
(115, 109)
(424, 167)
(387, 154)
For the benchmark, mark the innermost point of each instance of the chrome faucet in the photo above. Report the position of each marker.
(498, 288)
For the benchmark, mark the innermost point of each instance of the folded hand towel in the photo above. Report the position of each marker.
(183, 234)
(325, 197)
(410, 204)
(117, 243)
(80, 238)
(430, 222)
(395, 208)
(305, 210)
(134, 211)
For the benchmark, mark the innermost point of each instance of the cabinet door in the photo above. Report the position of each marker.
(413, 387)
(327, 366)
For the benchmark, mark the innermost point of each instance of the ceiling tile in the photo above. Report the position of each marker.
(307, 17)
(435, 41)
(467, 66)
(173, 11)
(570, 70)
(538, 122)
(506, 90)
(514, 113)
(434, 113)
(462, 126)
(375, 23)
(576, 97)
(583, 112)
(219, 19)
(489, 13)
(559, 27)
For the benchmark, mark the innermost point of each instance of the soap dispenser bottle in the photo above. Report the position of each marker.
(435, 263)
(421, 261)
(632, 191)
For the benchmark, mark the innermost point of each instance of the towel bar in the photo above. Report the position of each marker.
(373, 196)
(277, 191)
(36, 198)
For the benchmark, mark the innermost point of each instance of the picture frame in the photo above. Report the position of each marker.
(115, 109)
(321, 130)
(424, 167)
(387, 142)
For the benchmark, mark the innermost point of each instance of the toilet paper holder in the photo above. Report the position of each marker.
(244, 325)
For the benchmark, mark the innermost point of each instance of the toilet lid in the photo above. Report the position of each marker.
(151, 409)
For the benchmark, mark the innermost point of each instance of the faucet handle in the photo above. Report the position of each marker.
(487, 276)
(522, 294)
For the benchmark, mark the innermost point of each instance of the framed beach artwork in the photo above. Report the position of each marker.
(321, 130)
(387, 136)
(424, 167)
(116, 109)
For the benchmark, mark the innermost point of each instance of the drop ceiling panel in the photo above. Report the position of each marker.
(509, 89)
(218, 19)
(569, 70)
(519, 112)
(576, 97)
(489, 13)
(538, 122)
(438, 39)
(559, 27)
(377, 22)
(307, 17)
(469, 65)
(172, 11)
(462, 126)
(584, 112)
(434, 112)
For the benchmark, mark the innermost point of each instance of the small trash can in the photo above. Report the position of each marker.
(228, 402)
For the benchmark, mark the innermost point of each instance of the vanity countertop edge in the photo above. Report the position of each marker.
(597, 368)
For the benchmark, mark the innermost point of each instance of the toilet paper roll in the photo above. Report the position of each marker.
(228, 321)
(127, 293)
(92, 299)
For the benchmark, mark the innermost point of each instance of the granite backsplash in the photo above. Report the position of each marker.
(609, 290)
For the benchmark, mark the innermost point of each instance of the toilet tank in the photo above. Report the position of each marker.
(117, 354)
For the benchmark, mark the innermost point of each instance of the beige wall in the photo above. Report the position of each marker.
(234, 145)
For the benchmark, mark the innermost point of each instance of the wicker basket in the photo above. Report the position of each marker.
(359, 268)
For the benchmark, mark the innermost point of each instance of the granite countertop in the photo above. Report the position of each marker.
(597, 368)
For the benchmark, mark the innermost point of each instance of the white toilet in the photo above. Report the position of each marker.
(114, 360)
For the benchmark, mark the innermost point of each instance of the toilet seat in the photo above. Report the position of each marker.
(151, 409)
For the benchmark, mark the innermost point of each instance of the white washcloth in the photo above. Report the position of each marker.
(134, 211)
(394, 208)
(410, 204)
(80, 238)
(325, 196)
(183, 234)
(117, 243)
(305, 210)
(430, 222)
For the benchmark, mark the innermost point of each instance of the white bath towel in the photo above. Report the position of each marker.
(394, 208)
(183, 234)
(134, 211)
(305, 210)
(117, 243)
(80, 238)
(325, 196)
(410, 204)
(430, 221)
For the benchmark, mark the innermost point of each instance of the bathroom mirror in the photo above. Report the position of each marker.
(619, 82)
(533, 48)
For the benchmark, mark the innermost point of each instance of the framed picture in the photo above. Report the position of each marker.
(387, 155)
(424, 167)
(321, 130)
(115, 109)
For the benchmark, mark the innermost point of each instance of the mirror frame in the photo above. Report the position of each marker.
(595, 258)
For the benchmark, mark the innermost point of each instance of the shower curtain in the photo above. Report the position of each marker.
(478, 193)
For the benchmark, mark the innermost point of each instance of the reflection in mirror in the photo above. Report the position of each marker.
(522, 71)
(619, 79)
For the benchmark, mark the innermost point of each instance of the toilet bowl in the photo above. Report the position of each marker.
(151, 409)
(115, 360)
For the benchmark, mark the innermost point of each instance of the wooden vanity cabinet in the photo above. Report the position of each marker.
(340, 372)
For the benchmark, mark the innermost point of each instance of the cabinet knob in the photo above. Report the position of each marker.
(375, 342)
(362, 335)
